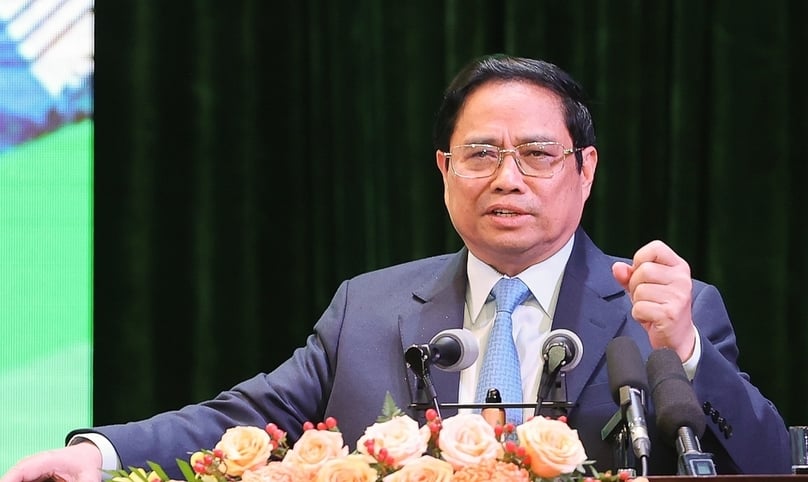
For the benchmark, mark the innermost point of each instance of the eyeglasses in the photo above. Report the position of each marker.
(534, 159)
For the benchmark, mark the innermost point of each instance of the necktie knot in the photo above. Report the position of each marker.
(509, 293)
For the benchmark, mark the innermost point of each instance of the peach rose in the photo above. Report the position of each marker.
(467, 439)
(244, 448)
(275, 472)
(492, 471)
(315, 448)
(554, 447)
(401, 436)
(423, 469)
(351, 468)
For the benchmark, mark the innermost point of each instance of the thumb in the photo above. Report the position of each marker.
(622, 273)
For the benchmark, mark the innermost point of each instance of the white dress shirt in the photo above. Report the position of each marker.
(531, 320)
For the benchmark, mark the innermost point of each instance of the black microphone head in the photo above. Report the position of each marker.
(625, 366)
(417, 358)
(454, 350)
(674, 399)
(573, 347)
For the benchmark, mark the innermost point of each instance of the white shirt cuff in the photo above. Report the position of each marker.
(693, 362)
(109, 458)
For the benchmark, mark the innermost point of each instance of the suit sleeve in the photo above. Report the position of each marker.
(290, 395)
(753, 437)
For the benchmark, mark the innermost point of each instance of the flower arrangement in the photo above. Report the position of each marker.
(462, 448)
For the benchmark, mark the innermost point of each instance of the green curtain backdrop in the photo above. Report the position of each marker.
(250, 155)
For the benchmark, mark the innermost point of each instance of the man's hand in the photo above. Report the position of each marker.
(75, 463)
(660, 285)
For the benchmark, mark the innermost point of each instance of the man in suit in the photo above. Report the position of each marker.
(515, 146)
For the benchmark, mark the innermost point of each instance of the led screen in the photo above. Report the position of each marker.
(46, 129)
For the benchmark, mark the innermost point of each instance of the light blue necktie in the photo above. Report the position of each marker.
(501, 369)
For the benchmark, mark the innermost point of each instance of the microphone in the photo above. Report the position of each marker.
(561, 350)
(628, 383)
(450, 350)
(679, 415)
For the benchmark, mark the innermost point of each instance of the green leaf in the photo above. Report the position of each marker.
(117, 473)
(158, 470)
(137, 473)
(186, 470)
(389, 409)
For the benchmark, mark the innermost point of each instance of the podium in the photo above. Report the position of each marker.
(730, 478)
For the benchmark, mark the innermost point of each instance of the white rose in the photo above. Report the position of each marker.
(401, 436)
(467, 439)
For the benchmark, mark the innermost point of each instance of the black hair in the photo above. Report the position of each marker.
(501, 67)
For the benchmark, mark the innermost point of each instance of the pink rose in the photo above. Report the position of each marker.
(275, 472)
(423, 469)
(554, 448)
(351, 468)
(401, 436)
(315, 448)
(244, 448)
(467, 439)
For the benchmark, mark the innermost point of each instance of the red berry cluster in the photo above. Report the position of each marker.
(386, 463)
(515, 454)
(330, 423)
(503, 432)
(209, 463)
(434, 424)
(277, 438)
(433, 421)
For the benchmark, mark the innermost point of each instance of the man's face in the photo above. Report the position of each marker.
(510, 220)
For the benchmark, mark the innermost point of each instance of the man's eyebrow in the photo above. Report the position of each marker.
(536, 138)
(482, 139)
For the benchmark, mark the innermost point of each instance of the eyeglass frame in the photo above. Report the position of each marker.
(565, 151)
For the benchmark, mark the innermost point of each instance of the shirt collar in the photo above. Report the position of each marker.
(541, 278)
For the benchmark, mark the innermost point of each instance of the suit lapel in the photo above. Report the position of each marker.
(439, 306)
(585, 306)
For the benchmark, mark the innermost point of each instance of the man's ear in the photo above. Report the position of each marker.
(588, 167)
(442, 161)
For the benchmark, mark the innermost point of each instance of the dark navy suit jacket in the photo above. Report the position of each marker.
(355, 356)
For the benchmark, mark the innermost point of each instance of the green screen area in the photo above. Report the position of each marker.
(45, 291)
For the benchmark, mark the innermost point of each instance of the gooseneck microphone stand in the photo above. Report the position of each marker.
(418, 361)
